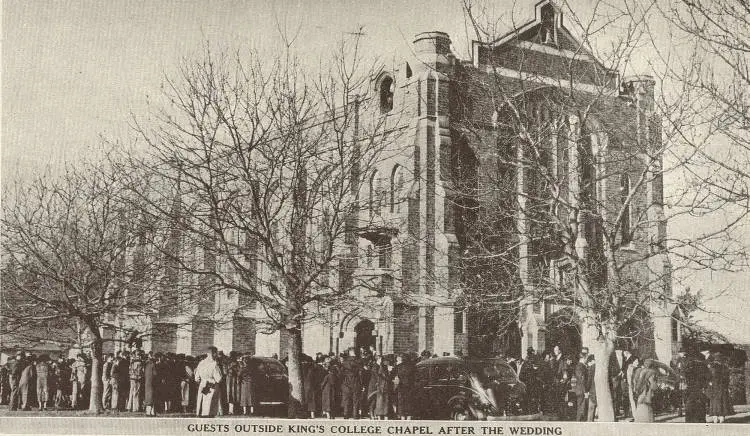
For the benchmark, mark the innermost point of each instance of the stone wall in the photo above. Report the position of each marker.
(243, 335)
(202, 337)
(406, 328)
(164, 338)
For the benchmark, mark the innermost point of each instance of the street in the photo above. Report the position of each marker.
(741, 416)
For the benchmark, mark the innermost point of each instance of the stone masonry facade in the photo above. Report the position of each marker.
(415, 228)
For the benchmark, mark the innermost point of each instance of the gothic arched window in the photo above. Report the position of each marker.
(397, 185)
(386, 89)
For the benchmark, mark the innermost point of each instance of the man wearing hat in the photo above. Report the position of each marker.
(351, 385)
(696, 378)
(581, 374)
(79, 379)
(530, 374)
(526, 372)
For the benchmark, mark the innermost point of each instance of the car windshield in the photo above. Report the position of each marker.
(493, 371)
(275, 368)
(447, 374)
(269, 367)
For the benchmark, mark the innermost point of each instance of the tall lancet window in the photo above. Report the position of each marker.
(387, 88)
(625, 230)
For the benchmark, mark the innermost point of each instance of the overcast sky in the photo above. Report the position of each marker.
(72, 71)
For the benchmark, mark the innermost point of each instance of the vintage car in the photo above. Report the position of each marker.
(270, 382)
(466, 389)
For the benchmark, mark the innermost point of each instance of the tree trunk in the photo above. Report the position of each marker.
(603, 347)
(95, 401)
(294, 366)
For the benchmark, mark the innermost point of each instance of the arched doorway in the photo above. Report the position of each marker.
(363, 337)
(563, 329)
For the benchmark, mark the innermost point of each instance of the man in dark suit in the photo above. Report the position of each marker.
(696, 377)
(351, 385)
(532, 377)
(120, 380)
(527, 373)
(581, 374)
(561, 381)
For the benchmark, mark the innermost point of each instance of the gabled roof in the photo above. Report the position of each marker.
(542, 12)
(545, 33)
(547, 16)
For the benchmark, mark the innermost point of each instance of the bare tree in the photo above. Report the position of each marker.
(266, 162)
(68, 243)
(710, 119)
(716, 74)
(570, 199)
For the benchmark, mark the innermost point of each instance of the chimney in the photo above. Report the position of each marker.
(433, 48)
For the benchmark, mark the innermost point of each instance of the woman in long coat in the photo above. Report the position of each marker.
(208, 375)
(311, 381)
(247, 394)
(27, 384)
(169, 375)
(719, 405)
(384, 397)
(643, 386)
(150, 385)
(328, 391)
(404, 387)
(135, 373)
(78, 377)
(631, 373)
(185, 365)
(233, 382)
(372, 386)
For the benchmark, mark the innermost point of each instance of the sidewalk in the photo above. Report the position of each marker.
(741, 415)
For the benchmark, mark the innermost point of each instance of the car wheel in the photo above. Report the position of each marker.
(461, 414)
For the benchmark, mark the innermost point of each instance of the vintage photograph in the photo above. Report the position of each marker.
(429, 210)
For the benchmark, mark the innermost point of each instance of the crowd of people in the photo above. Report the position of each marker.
(361, 384)
(557, 385)
(563, 387)
(358, 383)
(704, 385)
(131, 381)
(209, 385)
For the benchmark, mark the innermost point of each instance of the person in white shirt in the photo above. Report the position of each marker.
(208, 375)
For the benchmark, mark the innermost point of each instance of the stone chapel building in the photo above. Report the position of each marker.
(418, 221)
